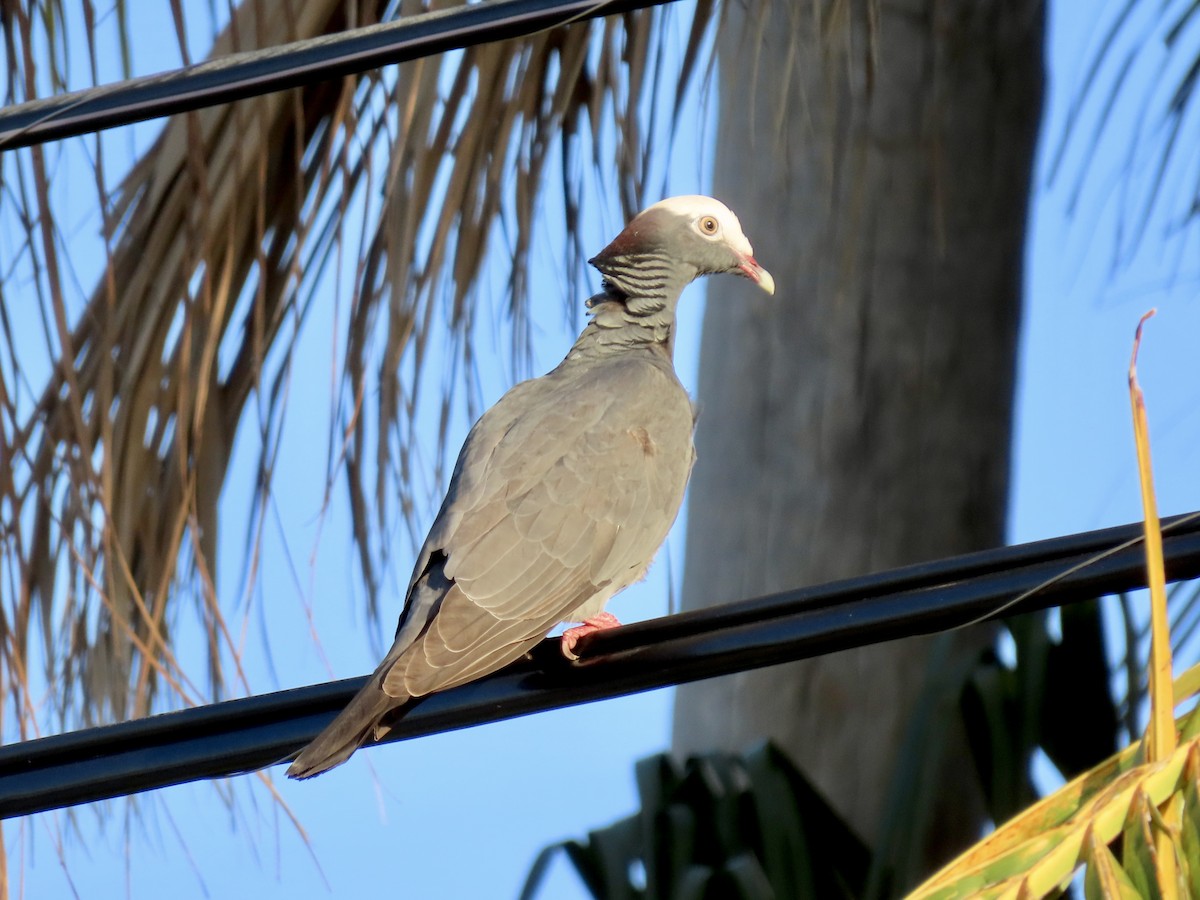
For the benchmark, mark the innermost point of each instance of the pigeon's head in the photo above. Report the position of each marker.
(696, 234)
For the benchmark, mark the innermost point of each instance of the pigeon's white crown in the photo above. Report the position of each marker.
(695, 206)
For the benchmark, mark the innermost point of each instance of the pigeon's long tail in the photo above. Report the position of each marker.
(345, 734)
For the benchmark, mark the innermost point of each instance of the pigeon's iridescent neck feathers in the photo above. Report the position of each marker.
(647, 266)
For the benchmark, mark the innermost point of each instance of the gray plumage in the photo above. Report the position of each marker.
(565, 489)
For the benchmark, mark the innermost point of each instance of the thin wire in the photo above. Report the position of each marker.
(1132, 542)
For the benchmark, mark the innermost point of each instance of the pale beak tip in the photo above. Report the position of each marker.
(765, 281)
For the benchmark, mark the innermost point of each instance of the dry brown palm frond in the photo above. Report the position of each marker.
(112, 467)
(119, 465)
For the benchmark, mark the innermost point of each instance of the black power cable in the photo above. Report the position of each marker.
(241, 75)
(243, 735)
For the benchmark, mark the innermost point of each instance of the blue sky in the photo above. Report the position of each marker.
(463, 814)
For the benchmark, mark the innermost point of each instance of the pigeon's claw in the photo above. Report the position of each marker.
(593, 623)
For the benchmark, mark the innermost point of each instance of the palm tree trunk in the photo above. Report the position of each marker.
(881, 155)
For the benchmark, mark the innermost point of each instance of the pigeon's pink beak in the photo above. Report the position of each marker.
(756, 273)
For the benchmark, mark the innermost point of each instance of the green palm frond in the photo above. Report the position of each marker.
(749, 827)
(1038, 852)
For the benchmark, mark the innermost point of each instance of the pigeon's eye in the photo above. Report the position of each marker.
(709, 225)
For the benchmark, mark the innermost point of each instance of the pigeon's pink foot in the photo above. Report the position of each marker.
(590, 624)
